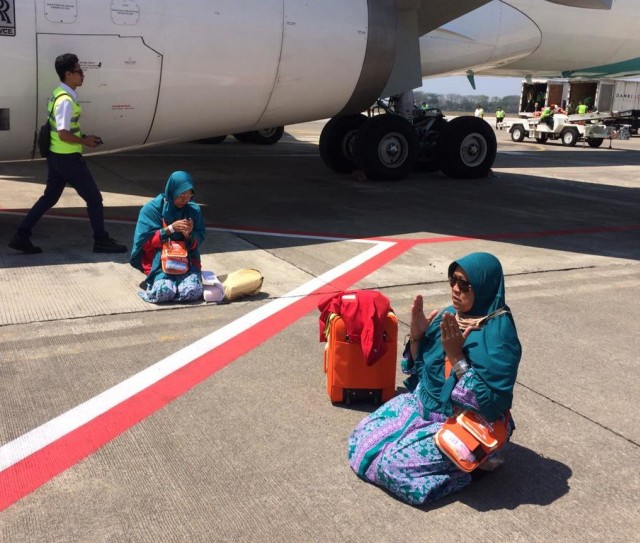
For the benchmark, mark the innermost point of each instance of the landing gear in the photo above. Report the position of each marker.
(390, 145)
(386, 148)
(265, 136)
(468, 148)
(336, 142)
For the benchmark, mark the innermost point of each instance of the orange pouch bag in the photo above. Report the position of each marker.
(469, 438)
(174, 257)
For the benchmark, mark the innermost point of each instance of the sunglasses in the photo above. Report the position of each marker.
(185, 195)
(463, 285)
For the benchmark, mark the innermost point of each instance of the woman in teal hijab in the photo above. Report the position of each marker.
(170, 215)
(394, 447)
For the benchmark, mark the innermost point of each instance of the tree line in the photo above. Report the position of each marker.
(457, 102)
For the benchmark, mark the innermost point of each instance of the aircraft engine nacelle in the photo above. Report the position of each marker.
(465, 44)
(160, 70)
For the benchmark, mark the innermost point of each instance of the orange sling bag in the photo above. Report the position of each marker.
(174, 256)
(468, 438)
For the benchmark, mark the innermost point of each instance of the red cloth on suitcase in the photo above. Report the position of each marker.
(364, 313)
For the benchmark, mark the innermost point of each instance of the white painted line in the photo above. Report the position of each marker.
(49, 432)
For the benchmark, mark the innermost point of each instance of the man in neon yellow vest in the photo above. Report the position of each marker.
(499, 118)
(547, 115)
(582, 108)
(66, 164)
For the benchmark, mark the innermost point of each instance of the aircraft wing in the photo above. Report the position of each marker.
(436, 13)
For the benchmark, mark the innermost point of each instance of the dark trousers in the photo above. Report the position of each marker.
(72, 169)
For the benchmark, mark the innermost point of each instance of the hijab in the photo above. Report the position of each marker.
(151, 216)
(493, 351)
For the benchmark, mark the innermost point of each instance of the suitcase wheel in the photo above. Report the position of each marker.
(352, 395)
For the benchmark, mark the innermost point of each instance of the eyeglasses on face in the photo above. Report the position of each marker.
(187, 195)
(463, 285)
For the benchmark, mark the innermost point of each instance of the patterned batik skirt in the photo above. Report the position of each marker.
(183, 288)
(394, 448)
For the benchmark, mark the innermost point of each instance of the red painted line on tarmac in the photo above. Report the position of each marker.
(434, 239)
(22, 478)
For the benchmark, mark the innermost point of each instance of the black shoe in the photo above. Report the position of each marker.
(20, 242)
(108, 245)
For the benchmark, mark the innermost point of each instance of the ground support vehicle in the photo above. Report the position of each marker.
(402, 138)
(629, 119)
(621, 97)
(570, 129)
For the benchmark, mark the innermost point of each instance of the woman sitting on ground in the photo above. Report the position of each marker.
(171, 215)
(394, 447)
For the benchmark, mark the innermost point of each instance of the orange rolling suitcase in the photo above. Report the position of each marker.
(348, 375)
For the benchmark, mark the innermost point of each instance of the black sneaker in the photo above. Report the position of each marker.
(22, 243)
(108, 245)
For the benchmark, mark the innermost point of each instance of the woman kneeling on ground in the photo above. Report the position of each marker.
(394, 447)
(171, 215)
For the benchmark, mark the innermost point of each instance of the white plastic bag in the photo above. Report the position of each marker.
(213, 289)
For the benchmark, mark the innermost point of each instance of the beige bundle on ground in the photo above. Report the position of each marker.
(239, 283)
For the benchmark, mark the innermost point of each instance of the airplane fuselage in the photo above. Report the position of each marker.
(166, 71)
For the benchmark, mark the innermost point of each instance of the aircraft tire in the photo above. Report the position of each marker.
(336, 142)
(468, 148)
(386, 148)
(265, 136)
(595, 142)
(569, 137)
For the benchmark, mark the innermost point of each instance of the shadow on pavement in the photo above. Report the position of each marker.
(526, 478)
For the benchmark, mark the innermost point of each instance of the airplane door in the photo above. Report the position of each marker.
(121, 85)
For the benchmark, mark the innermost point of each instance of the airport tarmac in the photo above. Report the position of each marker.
(128, 422)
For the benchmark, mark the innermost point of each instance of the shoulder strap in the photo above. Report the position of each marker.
(447, 368)
(500, 311)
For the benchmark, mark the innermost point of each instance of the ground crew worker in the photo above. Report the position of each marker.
(547, 115)
(479, 112)
(66, 164)
(499, 118)
(582, 108)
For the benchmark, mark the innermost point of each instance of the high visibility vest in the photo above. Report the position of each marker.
(500, 114)
(546, 112)
(57, 145)
(581, 109)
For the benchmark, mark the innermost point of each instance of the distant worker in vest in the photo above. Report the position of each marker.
(66, 164)
(499, 118)
(582, 108)
(547, 115)
(479, 112)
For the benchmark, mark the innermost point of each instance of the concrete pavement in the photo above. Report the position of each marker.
(237, 440)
